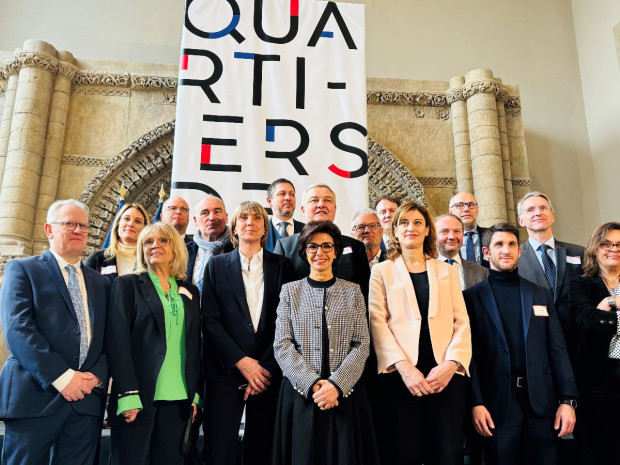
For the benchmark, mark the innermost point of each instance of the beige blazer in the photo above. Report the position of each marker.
(395, 318)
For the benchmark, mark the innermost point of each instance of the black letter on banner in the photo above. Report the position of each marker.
(258, 24)
(208, 142)
(298, 152)
(257, 186)
(257, 91)
(300, 98)
(205, 84)
(335, 138)
(230, 29)
(196, 186)
(332, 9)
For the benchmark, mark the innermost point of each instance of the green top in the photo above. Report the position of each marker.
(171, 383)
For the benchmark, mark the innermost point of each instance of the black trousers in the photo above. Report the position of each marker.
(223, 410)
(153, 438)
(523, 437)
(599, 415)
(414, 430)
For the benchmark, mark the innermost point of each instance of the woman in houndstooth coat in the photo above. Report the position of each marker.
(321, 344)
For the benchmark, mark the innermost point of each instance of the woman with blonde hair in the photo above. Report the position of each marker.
(153, 348)
(120, 257)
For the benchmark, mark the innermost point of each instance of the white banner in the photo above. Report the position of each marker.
(271, 89)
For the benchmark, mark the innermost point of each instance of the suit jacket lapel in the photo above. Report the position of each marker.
(403, 274)
(531, 261)
(270, 278)
(90, 294)
(433, 288)
(560, 260)
(187, 303)
(526, 306)
(233, 270)
(154, 302)
(488, 300)
(52, 266)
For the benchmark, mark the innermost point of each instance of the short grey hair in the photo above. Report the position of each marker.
(533, 194)
(314, 186)
(52, 212)
(364, 211)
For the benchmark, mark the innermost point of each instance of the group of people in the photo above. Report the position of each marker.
(395, 345)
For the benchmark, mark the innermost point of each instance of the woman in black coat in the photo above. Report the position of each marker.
(595, 302)
(153, 348)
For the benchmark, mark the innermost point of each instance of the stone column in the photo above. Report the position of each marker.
(26, 148)
(518, 153)
(502, 96)
(460, 133)
(7, 115)
(486, 157)
(53, 147)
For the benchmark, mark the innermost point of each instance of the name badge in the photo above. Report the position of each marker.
(540, 310)
(108, 269)
(186, 293)
(347, 250)
(573, 260)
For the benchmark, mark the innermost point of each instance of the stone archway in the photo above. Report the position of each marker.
(146, 164)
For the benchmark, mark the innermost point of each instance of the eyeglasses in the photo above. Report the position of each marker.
(373, 227)
(326, 247)
(607, 246)
(172, 208)
(541, 209)
(462, 205)
(71, 225)
(150, 242)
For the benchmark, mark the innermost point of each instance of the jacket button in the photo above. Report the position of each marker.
(611, 322)
(602, 322)
(75, 358)
(76, 331)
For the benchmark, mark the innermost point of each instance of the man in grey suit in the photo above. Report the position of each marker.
(548, 262)
(449, 242)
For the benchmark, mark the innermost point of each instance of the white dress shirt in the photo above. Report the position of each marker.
(550, 251)
(63, 380)
(254, 283)
(290, 226)
(458, 265)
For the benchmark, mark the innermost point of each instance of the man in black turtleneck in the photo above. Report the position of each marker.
(522, 384)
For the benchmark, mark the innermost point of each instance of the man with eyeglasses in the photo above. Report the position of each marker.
(53, 312)
(548, 262)
(175, 212)
(366, 227)
(281, 199)
(465, 206)
(319, 204)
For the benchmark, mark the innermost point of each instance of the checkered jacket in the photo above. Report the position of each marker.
(298, 342)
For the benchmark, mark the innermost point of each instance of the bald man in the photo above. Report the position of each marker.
(175, 212)
(465, 206)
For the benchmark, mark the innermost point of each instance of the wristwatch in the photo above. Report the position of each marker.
(611, 301)
(571, 402)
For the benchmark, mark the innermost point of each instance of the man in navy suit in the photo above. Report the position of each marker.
(53, 311)
(522, 384)
(175, 212)
(281, 199)
(548, 262)
(319, 204)
(465, 206)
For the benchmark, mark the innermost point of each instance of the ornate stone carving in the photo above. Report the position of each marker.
(38, 59)
(67, 70)
(153, 82)
(419, 112)
(428, 99)
(480, 86)
(453, 95)
(86, 78)
(387, 175)
(169, 98)
(3, 84)
(437, 182)
(83, 161)
(520, 182)
(442, 113)
(105, 91)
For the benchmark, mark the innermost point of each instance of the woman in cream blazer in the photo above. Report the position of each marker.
(421, 335)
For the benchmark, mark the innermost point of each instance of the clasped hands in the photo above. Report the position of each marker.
(325, 394)
(256, 376)
(419, 385)
(80, 385)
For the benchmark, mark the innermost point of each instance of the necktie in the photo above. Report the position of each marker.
(549, 266)
(450, 261)
(80, 313)
(282, 229)
(470, 253)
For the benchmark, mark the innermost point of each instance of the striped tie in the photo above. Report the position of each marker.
(549, 266)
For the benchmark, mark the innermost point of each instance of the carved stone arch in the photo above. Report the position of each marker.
(142, 167)
(388, 176)
(146, 164)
